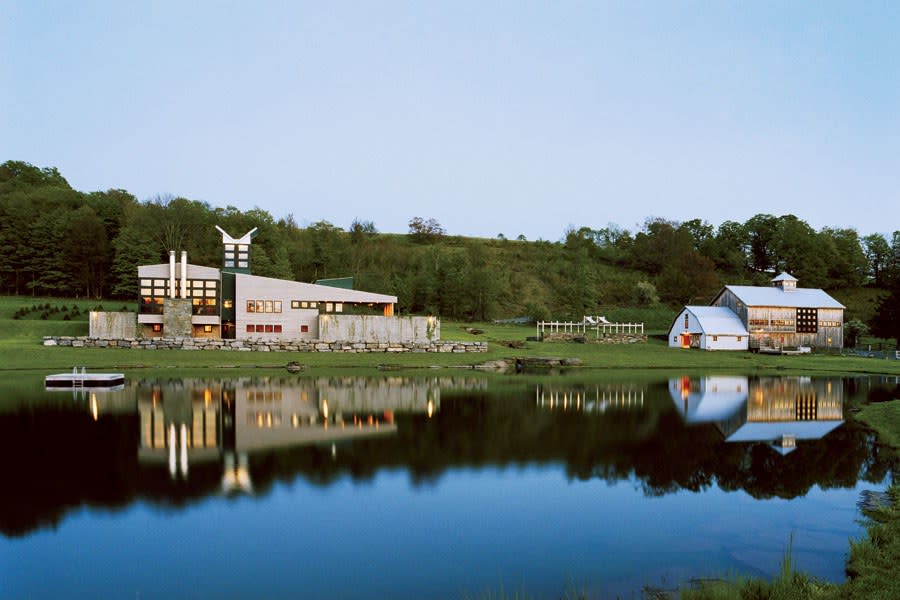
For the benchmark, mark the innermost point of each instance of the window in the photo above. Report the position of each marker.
(251, 328)
(269, 306)
(228, 304)
(740, 338)
(269, 329)
(304, 329)
(687, 321)
(157, 327)
(759, 322)
(295, 304)
(329, 307)
(278, 306)
(807, 320)
(251, 306)
(207, 329)
(675, 338)
(338, 307)
(260, 329)
(260, 306)
(715, 338)
(277, 328)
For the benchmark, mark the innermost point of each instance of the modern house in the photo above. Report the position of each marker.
(779, 316)
(178, 299)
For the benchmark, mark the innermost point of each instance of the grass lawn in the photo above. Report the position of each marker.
(21, 348)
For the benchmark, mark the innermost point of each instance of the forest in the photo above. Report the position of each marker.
(57, 241)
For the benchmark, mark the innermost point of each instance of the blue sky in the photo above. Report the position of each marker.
(491, 117)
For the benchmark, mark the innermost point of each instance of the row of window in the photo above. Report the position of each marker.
(269, 328)
(263, 306)
(157, 328)
(326, 306)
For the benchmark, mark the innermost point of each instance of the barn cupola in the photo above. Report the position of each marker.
(785, 282)
(236, 251)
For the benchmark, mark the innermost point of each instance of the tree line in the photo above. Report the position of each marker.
(58, 241)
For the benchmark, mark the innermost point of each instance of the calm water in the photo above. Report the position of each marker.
(426, 487)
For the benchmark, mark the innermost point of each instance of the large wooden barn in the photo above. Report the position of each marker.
(775, 317)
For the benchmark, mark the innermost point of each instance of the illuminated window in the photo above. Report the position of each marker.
(338, 307)
(260, 306)
(157, 327)
(329, 307)
(295, 304)
(207, 329)
(228, 304)
(278, 306)
(251, 306)
(269, 306)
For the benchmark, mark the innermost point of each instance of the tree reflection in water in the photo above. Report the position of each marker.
(246, 435)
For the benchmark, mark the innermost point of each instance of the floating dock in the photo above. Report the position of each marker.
(84, 380)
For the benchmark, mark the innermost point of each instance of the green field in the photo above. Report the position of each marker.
(21, 348)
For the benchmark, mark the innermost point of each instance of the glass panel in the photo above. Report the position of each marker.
(251, 306)
(278, 306)
(229, 263)
(260, 306)
(339, 307)
(210, 284)
(270, 306)
(295, 304)
(145, 291)
(242, 264)
(329, 307)
(210, 293)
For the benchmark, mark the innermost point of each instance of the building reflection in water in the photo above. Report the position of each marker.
(590, 398)
(196, 421)
(779, 411)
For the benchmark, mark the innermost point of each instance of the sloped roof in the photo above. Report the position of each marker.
(773, 296)
(161, 271)
(316, 293)
(802, 430)
(717, 320)
(785, 276)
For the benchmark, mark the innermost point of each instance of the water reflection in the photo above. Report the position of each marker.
(778, 411)
(195, 421)
(176, 441)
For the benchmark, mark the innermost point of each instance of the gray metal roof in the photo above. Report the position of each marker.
(717, 320)
(773, 296)
(161, 271)
(785, 276)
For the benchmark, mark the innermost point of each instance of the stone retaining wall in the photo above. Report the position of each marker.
(591, 338)
(179, 343)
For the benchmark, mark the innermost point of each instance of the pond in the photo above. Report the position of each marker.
(425, 486)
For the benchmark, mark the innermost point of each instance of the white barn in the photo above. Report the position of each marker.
(708, 328)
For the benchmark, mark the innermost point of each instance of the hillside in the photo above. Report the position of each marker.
(61, 242)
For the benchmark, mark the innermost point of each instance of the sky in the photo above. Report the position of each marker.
(520, 118)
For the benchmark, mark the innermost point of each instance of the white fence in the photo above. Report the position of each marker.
(588, 326)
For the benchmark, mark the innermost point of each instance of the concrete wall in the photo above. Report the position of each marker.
(113, 325)
(376, 329)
